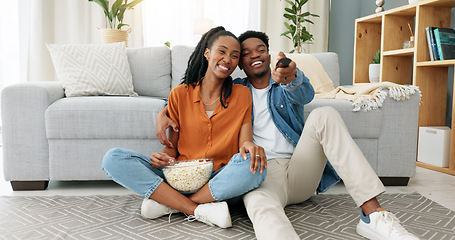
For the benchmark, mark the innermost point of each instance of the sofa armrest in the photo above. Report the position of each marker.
(387, 136)
(25, 146)
(397, 145)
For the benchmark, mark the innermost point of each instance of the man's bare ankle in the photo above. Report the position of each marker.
(370, 206)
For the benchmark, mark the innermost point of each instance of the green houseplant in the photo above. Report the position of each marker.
(377, 57)
(114, 17)
(296, 31)
(114, 20)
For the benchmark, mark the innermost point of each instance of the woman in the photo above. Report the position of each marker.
(214, 118)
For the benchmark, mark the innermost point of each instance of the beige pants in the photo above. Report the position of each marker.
(294, 180)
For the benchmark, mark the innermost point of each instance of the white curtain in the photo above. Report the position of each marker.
(320, 28)
(42, 22)
(9, 44)
(182, 22)
(272, 23)
(53, 21)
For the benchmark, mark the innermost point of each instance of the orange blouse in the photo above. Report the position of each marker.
(201, 136)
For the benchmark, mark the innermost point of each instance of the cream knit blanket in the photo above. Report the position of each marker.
(364, 96)
(368, 96)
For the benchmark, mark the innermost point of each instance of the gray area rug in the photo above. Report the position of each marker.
(117, 217)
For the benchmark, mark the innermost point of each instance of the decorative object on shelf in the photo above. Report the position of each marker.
(167, 44)
(410, 43)
(379, 3)
(374, 69)
(114, 20)
(295, 30)
(413, 1)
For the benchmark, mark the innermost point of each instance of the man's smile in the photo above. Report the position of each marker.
(257, 63)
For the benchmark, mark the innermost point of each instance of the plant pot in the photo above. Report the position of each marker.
(374, 72)
(108, 35)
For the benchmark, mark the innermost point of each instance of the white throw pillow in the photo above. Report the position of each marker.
(92, 69)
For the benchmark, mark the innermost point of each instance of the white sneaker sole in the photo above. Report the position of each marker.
(366, 232)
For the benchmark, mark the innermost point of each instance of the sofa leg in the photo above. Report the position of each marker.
(29, 185)
(395, 181)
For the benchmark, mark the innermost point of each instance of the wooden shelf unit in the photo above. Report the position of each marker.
(387, 31)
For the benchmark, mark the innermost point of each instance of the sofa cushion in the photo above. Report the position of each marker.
(151, 70)
(103, 117)
(329, 60)
(92, 69)
(180, 56)
(360, 124)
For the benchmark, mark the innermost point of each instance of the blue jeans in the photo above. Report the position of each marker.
(134, 171)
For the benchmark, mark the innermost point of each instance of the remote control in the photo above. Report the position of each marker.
(282, 63)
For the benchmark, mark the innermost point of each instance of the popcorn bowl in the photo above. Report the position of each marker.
(188, 176)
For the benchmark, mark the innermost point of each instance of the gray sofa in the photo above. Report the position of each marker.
(48, 137)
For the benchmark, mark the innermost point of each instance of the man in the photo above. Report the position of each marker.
(297, 152)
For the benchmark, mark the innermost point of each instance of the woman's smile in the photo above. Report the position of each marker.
(224, 68)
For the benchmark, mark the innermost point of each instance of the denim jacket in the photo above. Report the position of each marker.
(285, 103)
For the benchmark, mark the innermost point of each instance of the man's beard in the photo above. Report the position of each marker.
(261, 74)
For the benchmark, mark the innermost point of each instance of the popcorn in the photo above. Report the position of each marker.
(189, 175)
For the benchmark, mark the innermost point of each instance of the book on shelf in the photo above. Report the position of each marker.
(445, 42)
(431, 41)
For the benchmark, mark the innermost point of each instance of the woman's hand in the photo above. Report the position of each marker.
(257, 156)
(161, 159)
(163, 122)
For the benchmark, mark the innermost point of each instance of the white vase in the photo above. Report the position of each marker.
(374, 72)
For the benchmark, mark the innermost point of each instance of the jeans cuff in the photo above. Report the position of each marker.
(153, 188)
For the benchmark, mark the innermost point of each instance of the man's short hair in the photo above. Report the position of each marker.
(255, 34)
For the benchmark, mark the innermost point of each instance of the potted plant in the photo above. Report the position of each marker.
(114, 20)
(296, 31)
(375, 68)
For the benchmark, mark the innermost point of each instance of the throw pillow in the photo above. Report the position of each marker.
(312, 69)
(92, 69)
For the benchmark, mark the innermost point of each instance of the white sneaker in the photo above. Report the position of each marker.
(215, 213)
(382, 225)
(152, 209)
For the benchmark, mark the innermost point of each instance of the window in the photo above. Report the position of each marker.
(182, 22)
